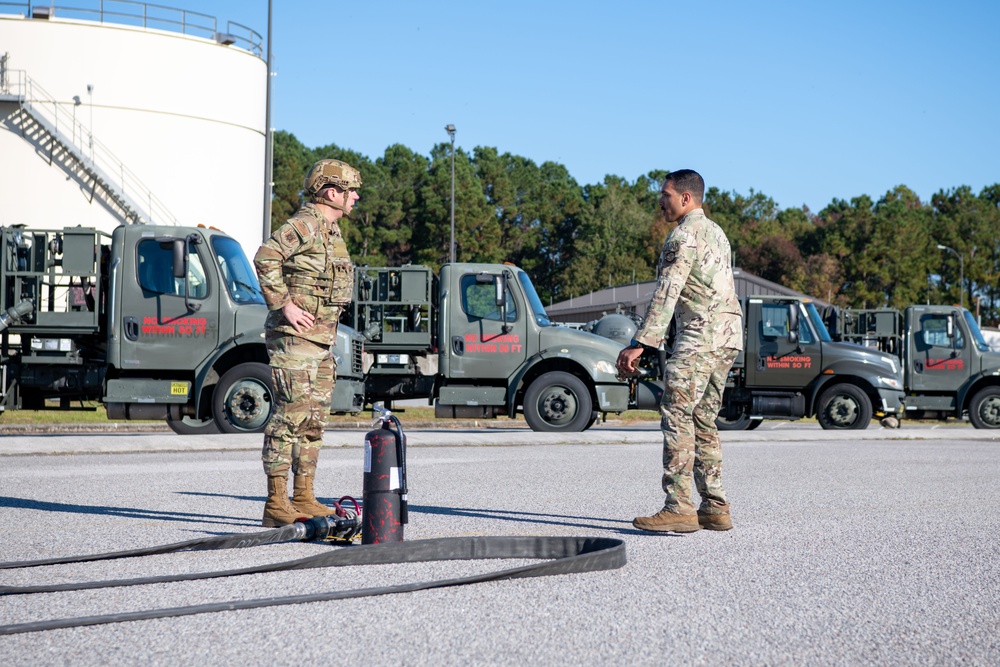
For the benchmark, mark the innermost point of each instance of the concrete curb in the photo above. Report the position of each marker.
(143, 427)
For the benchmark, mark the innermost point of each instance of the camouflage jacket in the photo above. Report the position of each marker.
(696, 286)
(306, 261)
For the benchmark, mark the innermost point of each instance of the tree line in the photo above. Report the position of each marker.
(573, 239)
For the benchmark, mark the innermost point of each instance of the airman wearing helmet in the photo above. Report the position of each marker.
(307, 278)
(330, 172)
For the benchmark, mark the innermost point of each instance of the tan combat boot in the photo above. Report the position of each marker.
(278, 511)
(715, 521)
(665, 521)
(304, 500)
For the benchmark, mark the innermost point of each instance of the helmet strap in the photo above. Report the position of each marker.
(317, 199)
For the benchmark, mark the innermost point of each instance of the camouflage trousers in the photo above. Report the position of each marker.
(692, 396)
(304, 374)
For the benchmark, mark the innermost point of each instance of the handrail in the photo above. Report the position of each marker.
(137, 200)
(149, 15)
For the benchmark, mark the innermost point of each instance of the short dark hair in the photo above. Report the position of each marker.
(687, 180)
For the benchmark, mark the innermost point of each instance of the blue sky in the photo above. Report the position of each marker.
(803, 101)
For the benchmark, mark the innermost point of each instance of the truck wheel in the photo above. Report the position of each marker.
(593, 420)
(558, 401)
(741, 423)
(242, 400)
(192, 426)
(844, 406)
(984, 410)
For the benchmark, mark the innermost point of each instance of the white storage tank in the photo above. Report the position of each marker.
(169, 112)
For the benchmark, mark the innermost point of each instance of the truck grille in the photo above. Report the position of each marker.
(357, 356)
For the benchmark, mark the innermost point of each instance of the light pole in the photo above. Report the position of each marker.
(961, 273)
(450, 129)
(268, 135)
(90, 130)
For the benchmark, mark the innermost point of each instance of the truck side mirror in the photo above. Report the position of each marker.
(180, 258)
(950, 324)
(793, 323)
(501, 290)
(182, 244)
(499, 287)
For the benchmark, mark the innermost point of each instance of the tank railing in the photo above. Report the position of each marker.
(123, 187)
(158, 17)
(246, 36)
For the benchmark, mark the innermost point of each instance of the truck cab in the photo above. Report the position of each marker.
(791, 368)
(163, 322)
(949, 370)
(188, 302)
(476, 342)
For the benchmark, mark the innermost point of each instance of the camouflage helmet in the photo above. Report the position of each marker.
(331, 172)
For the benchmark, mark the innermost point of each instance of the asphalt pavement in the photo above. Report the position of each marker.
(849, 548)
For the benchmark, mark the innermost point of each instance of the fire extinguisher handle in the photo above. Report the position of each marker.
(401, 459)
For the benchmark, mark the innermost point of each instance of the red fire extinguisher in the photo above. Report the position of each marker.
(384, 509)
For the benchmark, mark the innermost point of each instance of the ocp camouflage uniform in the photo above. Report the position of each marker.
(696, 288)
(305, 261)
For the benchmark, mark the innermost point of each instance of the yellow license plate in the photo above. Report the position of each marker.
(178, 388)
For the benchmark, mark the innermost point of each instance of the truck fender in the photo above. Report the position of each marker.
(209, 371)
(579, 360)
(973, 385)
(816, 387)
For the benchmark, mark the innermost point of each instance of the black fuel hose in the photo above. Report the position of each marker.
(315, 532)
(564, 555)
(293, 533)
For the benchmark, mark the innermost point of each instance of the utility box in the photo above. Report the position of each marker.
(393, 307)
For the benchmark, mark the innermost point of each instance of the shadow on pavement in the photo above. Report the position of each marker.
(127, 512)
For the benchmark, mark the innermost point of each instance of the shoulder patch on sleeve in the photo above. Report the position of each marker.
(303, 227)
(670, 251)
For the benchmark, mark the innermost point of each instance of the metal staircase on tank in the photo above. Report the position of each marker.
(52, 129)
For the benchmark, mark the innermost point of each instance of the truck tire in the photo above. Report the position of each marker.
(242, 399)
(741, 423)
(558, 401)
(984, 410)
(844, 406)
(192, 426)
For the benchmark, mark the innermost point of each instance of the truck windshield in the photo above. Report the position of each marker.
(537, 309)
(239, 276)
(817, 322)
(977, 335)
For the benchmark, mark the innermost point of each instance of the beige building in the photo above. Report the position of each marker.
(634, 298)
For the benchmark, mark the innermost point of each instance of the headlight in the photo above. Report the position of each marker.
(891, 362)
(890, 382)
(605, 366)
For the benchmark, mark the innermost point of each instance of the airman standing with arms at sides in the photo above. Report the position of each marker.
(307, 277)
(696, 288)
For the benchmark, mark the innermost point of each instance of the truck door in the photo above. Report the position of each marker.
(487, 339)
(773, 359)
(160, 328)
(941, 356)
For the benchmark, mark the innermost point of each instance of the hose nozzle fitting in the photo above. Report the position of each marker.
(15, 314)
